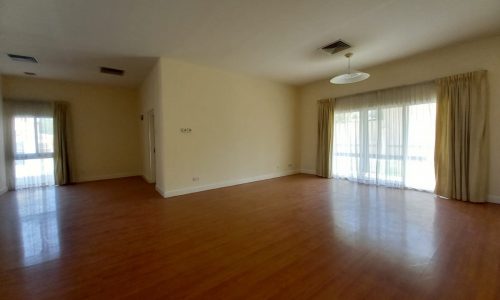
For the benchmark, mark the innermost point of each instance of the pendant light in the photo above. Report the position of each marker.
(350, 76)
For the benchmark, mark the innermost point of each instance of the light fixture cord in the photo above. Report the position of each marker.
(349, 65)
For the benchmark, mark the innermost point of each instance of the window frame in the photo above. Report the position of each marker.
(364, 155)
(38, 154)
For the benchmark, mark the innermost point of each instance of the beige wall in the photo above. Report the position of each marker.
(480, 54)
(3, 182)
(243, 128)
(149, 94)
(105, 124)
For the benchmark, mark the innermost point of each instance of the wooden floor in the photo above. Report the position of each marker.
(296, 237)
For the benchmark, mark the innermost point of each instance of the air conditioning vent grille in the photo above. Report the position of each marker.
(112, 71)
(336, 47)
(22, 58)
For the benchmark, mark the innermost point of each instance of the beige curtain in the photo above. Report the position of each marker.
(461, 152)
(325, 138)
(61, 157)
(8, 127)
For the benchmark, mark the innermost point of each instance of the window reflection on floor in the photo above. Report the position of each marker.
(404, 228)
(37, 210)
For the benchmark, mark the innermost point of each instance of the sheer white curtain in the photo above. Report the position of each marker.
(29, 136)
(387, 137)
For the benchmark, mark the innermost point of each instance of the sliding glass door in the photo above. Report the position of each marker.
(33, 151)
(386, 138)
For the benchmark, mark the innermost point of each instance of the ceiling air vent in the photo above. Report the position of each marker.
(336, 46)
(23, 58)
(30, 73)
(112, 71)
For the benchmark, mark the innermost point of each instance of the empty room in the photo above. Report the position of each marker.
(286, 149)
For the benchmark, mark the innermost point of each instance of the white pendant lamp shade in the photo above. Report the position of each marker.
(351, 76)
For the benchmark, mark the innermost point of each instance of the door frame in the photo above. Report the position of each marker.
(150, 117)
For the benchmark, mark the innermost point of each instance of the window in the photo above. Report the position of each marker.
(386, 138)
(33, 151)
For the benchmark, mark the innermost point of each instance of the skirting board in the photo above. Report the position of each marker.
(3, 190)
(160, 190)
(494, 199)
(147, 179)
(104, 177)
(306, 171)
(212, 186)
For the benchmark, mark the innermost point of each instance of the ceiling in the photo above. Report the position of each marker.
(274, 39)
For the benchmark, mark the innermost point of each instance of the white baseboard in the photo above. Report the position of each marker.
(147, 179)
(107, 176)
(3, 190)
(494, 199)
(194, 189)
(307, 171)
(160, 190)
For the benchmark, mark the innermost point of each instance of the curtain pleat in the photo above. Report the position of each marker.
(325, 138)
(61, 157)
(461, 153)
(8, 128)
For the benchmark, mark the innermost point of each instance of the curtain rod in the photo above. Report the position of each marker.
(404, 85)
(32, 101)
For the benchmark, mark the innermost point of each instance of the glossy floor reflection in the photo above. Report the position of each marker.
(296, 237)
(39, 228)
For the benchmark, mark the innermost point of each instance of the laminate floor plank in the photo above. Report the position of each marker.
(295, 237)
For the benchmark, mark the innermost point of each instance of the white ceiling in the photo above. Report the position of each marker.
(275, 39)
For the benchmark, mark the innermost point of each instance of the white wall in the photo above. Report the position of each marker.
(3, 181)
(150, 96)
(243, 128)
(471, 56)
(104, 122)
